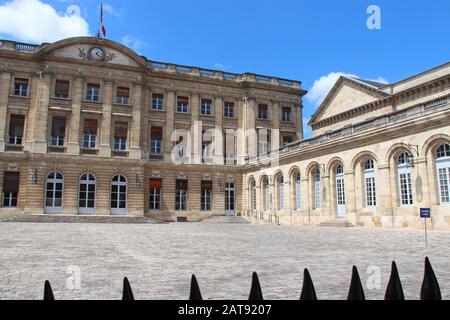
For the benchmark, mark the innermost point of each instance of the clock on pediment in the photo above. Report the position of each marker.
(97, 53)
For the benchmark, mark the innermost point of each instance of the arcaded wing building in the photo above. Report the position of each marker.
(89, 127)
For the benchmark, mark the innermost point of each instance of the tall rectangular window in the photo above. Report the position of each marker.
(182, 104)
(286, 114)
(58, 131)
(181, 195)
(263, 111)
(62, 88)
(90, 133)
(264, 141)
(123, 95)
(155, 186)
(93, 92)
(120, 135)
(206, 195)
(21, 87)
(370, 191)
(206, 107)
(156, 141)
(228, 110)
(230, 147)
(406, 194)
(157, 101)
(16, 125)
(11, 182)
(444, 180)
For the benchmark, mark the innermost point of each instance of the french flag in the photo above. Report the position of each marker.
(102, 22)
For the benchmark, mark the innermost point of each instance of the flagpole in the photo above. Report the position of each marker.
(100, 21)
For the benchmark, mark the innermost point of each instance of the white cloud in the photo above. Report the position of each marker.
(37, 22)
(222, 66)
(322, 86)
(134, 43)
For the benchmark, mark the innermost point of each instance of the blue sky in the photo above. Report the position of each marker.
(303, 40)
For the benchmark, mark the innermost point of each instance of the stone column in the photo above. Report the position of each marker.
(5, 81)
(73, 146)
(136, 124)
(169, 127)
(41, 101)
(107, 126)
(218, 135)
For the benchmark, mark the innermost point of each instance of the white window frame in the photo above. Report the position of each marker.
(370, 186)
(120, 144)
(88, 182)
(156, 146)
(93, 93)
(182, 196)
(298, 192)
(266, 190)
(206, 200)
(155, 199)
(157, 102)
(54, 182)
(206, 107)
(228, 110)
(317, 191)
(281, 193)
(443, 173)
(89, 141)
(119, 183)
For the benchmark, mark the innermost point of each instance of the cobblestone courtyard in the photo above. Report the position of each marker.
(159, 259)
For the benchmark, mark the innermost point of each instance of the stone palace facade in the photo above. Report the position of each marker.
(89, 127)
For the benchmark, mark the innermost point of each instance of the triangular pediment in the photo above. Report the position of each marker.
(347, 94)
(93, 49)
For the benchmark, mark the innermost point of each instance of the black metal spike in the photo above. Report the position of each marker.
(196, 294)
(127, 292)
(308, 290)
(255, 292)
(48, 292)
(430, 286)
(394, 291)
(356, 291)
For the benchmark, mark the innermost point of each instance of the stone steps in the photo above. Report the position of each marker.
(79, 219)
(337, 224)
(226, 219)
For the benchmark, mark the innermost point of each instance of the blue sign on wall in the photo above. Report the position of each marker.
(425, 213)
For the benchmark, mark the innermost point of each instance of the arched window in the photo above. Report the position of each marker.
(253, 196)
(298, 192)
(340, 191)
(369, 183)
(86, 194)
(443, 170)
(266, 190)
(405, 180)
(119, 194)
(280, 193)
(54, 190)
(317, 187)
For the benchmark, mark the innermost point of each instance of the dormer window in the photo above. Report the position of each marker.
(123, 95)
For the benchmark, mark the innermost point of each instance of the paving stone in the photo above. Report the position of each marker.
(159, 259)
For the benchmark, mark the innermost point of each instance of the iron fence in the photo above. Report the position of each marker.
(430, 287)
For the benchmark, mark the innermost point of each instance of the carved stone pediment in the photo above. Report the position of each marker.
(94, 49)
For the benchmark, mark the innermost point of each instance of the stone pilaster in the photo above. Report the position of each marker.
(196, 130)
(219, 134)
(350, 197)
(5, 81)
(145, 125)
(40, 100)
(106, 126)
(73, 146)
(136, 123)
(384, 192)
(241, 134)
(298, 114)
(169, 127)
